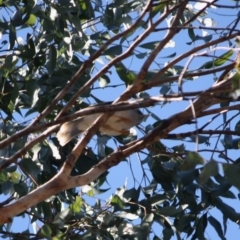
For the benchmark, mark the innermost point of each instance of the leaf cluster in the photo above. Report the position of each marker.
(57, 58)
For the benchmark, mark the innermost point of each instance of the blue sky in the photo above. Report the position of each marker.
(121, 174)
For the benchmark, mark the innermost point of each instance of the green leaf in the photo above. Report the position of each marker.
(167, 233)
(220, 179)
(9, 64)
(150, 188)
(183, 222)
(31, 20)
(227, 211)
(206, 39)
(146, 224)
(150, 45)
(86, 10)
(85, 163)
(153, 45)
(46, 231)
(57, 205)
(179, 148)
(187, 177)
(147, 221)
(225, 219)
(11, 169)
(60, 218)
(14, 96)
(228, 140)
(223, 190)
(114, 51)
(3, 177)
(232, 173)
(237, 126)
(162, 175)
(217, 226)
(165, 89)
(158, 8)
(132, 194)
(21, 189)
(170, 210)
(7, 187)
(31, 51)
(51, 60)
(170, 56)
(191, 161)
(39, 60)
(227, 194)
(108, 17)
(202, 224)
(116, 201)
(15, 176)
(231, 143)
(76, 206)
(141, 55)
(218, 61)
(126, 75)
(210, 169)
(191, 33)
(201, 139)
(30, 167)
(46, 210)
(12, 36)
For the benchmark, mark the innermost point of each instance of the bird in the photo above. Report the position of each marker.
(117, 124)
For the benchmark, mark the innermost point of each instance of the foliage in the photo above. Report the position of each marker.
(60, 57)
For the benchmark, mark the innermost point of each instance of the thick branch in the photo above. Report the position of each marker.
(200, 131)
(117, 107)
(62, 180)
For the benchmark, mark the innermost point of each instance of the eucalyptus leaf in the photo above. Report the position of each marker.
(46, 231)
(12, 36)
(76, 206)
(58, 58)
(170, 211)
(51, 61)
(217, 226)
(218, 61)
(232, 174)
(192, 160)
(210, 169)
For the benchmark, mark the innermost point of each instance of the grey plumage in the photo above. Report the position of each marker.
(119, 123)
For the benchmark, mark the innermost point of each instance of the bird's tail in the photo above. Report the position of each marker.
(68, 131)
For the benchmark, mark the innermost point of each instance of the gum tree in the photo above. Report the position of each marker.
(60, 57)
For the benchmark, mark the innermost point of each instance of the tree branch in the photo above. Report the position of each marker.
(63, 181)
